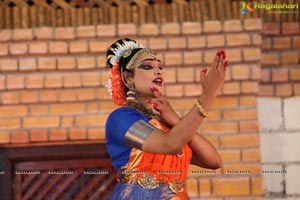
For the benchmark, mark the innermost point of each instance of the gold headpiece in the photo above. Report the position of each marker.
(137, 57)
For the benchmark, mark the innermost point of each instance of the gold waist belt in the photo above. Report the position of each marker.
(149, 181)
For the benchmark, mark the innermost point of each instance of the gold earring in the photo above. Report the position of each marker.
(131, 93)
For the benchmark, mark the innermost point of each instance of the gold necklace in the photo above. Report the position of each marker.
(141, 108)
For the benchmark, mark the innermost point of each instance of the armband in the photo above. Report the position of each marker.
(137, 133)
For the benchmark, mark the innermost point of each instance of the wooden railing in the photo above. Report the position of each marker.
(62, 171)
(57, 13)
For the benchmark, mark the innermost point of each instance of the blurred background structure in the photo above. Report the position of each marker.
(54, 104)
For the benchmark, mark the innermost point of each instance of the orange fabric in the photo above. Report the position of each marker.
(163, 166)
(180, 196)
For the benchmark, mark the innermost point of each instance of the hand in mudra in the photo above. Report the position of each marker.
(213, 79)
(162, 105)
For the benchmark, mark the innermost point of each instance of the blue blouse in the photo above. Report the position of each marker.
(117, 124)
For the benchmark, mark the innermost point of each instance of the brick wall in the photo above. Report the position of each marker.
(52, 88)
(280, 136)
(51, 83)
(278, 110)
(280, 60)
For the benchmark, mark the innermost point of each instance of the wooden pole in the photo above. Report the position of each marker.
(24, 17)
(16, 17)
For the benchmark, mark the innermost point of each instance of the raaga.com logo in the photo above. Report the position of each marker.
(271, 7)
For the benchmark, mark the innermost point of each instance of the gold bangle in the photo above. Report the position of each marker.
(201, 110)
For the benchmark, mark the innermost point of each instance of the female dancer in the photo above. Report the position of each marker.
(150, 146)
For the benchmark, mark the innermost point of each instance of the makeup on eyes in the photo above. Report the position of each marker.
(147, 65)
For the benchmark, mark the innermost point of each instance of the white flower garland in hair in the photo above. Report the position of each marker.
(108, 86)
(121, 48)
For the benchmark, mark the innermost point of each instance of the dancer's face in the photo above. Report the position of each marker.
(148, 73)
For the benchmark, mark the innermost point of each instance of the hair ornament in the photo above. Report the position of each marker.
(108, 86)
(127, 53)
(120, 50)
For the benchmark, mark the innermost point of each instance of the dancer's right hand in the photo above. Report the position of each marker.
(213, 79)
